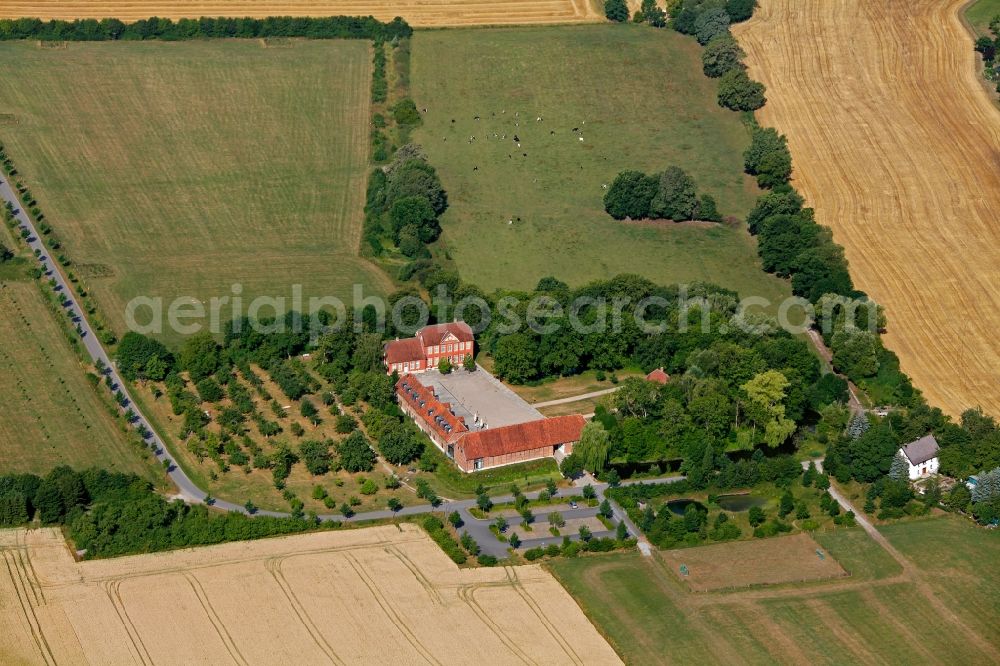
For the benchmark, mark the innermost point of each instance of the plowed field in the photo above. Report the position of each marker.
(379, 595)
(897, 146)
(416, 12)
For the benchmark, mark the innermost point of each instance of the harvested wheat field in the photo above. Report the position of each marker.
(897, 146)
(789, 559)
(378, 595)
(421, 13)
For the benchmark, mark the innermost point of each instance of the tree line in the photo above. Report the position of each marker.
(988, 47)
(110, 513)
(112, 29)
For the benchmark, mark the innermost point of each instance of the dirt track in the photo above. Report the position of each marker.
(897, 146)
(420, 13)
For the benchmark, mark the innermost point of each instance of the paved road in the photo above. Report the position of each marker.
(574, 398)
(187, 489)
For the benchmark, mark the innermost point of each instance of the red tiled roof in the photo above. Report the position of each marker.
(522, 436)
(408, 388)
(659, 376)
(401, 351)
(432, 335)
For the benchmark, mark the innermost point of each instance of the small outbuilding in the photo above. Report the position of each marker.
(659, 376)
(922, 456)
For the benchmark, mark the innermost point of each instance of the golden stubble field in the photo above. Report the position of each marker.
(382, 595)
(420, 13)
(897, 146)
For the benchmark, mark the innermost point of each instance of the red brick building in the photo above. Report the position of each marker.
(453, 341)
(485, 448)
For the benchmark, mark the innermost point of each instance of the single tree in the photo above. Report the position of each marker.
(739, 93)
(605, 509)
(676, 197)
(721, 55)
(394, 504)
(455, 518)
(900, 468)
(616, 10)
(501, 524)
(593, 446)
(514, 540)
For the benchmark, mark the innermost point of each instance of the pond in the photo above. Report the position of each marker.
(739, 502)
(678, 506)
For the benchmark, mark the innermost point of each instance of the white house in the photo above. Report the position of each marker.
(922, 456)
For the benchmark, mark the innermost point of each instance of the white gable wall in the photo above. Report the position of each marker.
(923, 469)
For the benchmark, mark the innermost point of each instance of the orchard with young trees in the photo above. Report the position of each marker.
(262, 412)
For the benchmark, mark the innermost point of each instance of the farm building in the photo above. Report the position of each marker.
(475, 446)
(922, 457)
(453, 341)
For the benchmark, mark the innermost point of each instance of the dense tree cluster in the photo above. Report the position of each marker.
(867, 451)
(670, 195)
(404, 201)
(730, 388)
(110, 29)
(666, 529)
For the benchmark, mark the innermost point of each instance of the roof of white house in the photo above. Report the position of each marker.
(921, 450)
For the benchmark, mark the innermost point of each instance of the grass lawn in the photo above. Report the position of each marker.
(449, 481)
(867, 618)
(963, 566)
(980, 13)
(640, 101)
(858, 554)
(567, 387)
(51, 416)
(179, 169)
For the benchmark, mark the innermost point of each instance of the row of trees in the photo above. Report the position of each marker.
(708, 21)
(111, 29)
(988, 48)
(670, 195)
